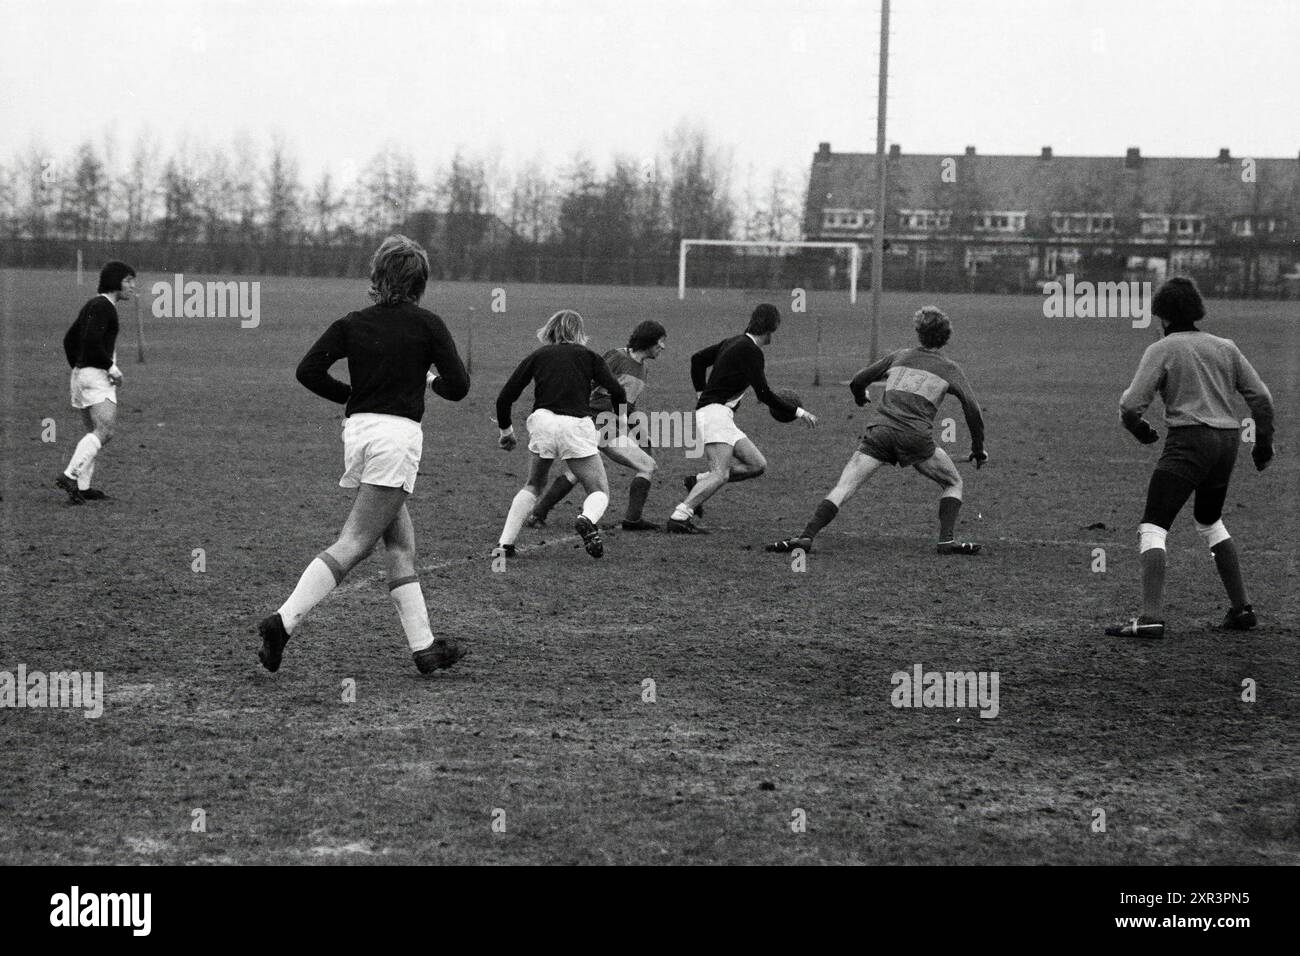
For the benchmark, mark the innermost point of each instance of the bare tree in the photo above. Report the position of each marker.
(283, 193)
(699, 200)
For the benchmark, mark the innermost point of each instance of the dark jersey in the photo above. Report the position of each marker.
(93, 336)
(916, 381)
(630, 373)
(737, 364)
(563, 375)
(389, 349)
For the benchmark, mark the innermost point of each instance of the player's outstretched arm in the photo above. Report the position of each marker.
(510, 392)
(313, 370)
(872, 373)
(970, 407)
(1260, 402)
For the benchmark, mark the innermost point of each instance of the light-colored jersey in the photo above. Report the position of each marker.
(630, 373)
(916, 381)
(1196, 375)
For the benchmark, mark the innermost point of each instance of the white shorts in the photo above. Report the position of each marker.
(561, 436)
(381, 450)
(90, 386)
(717, 424)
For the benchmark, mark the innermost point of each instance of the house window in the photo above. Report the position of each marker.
(1000, 221)
(1153, 225)
(846, 219)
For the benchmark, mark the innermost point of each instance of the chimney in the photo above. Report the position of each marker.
(823, 152)
(1224, 155)
(1132, 158)
(1047, 153)
(970, 150)
(895, 151)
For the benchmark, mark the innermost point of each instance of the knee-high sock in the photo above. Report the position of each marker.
(824, 515)
(560, 487)
(636, 498)
(948, 508)
(1153, 584)
(518, 513)
(1225, 559)
(594, 505)
(317, 581)
(87, 473)
(409, 598)
(83, 455)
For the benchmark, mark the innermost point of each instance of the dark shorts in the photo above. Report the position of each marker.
(1201, 455)
(1197, 460)
(894, 446)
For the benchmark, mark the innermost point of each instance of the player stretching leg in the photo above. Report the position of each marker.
(916, 381)
(1195, 374)
(648, 341)
(90, 346)
(389, 348)
(563, 371)
(737, 365)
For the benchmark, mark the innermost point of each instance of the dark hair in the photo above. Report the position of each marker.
(1179, 303)
(399, 271)
(933, 328)
(765, 319)
(646, 335)
(112, 275)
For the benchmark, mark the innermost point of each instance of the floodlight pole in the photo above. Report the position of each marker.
(878, 240)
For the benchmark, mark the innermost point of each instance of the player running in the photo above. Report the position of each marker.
(737, 365)
(916, 381)
(389, 348)
(647, 342)
(1195, 374)
(563, 371)
(91, 347)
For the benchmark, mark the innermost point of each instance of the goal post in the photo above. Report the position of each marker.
(855, 256)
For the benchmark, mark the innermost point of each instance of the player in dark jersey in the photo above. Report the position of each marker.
(722, 374)
(1196, 375)
(91, 349)
(646, 343)
(916, 381)
(563, 371)
(389, 348)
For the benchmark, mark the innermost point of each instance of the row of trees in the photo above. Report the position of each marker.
(250, 195)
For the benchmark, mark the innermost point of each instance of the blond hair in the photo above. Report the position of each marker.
(563, 326)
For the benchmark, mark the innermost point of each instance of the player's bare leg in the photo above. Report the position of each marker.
(856, 472)
(522, 505)
(100, 421)
(430, 654)
(720, 457)
(590, 472)
(940, 469)
(623, 451)
(559, 490)
(373, 510)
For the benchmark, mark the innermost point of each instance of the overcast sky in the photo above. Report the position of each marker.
(770, 78)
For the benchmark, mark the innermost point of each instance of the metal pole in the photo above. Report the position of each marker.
(469, 344)
(681, 271)
(139, 332)
(878, 241)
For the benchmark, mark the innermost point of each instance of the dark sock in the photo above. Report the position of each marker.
(824, 515)
(636, 497)
(948, 508)
(560, 487)
(1153, 584)
(1225, 559)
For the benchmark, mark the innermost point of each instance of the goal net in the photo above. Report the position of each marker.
(756, 263)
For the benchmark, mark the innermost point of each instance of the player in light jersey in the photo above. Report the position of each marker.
(647, 342)
(1196, 375)
(916, 381)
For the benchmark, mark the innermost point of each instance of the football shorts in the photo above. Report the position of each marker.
(381, 450)
(894, 446)
(716, 424)
(561, 436)
(90, 386)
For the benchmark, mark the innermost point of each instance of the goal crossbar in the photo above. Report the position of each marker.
(855, 256)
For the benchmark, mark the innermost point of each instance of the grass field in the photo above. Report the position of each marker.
(772, 687)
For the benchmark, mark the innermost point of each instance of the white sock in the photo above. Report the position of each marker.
(317, 581)
(594, 505)
(519, 509)
(414, 613)
(87, 472)
(683, 513)
(83, 455)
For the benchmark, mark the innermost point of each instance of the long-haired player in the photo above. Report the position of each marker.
(563, 372)
(389, 348)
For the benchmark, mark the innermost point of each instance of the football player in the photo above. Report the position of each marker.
(901, 433)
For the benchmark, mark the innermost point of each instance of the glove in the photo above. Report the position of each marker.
(1145, 433)
(507, 441)
(860, 397)
(979, 457)
(1261, 454)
